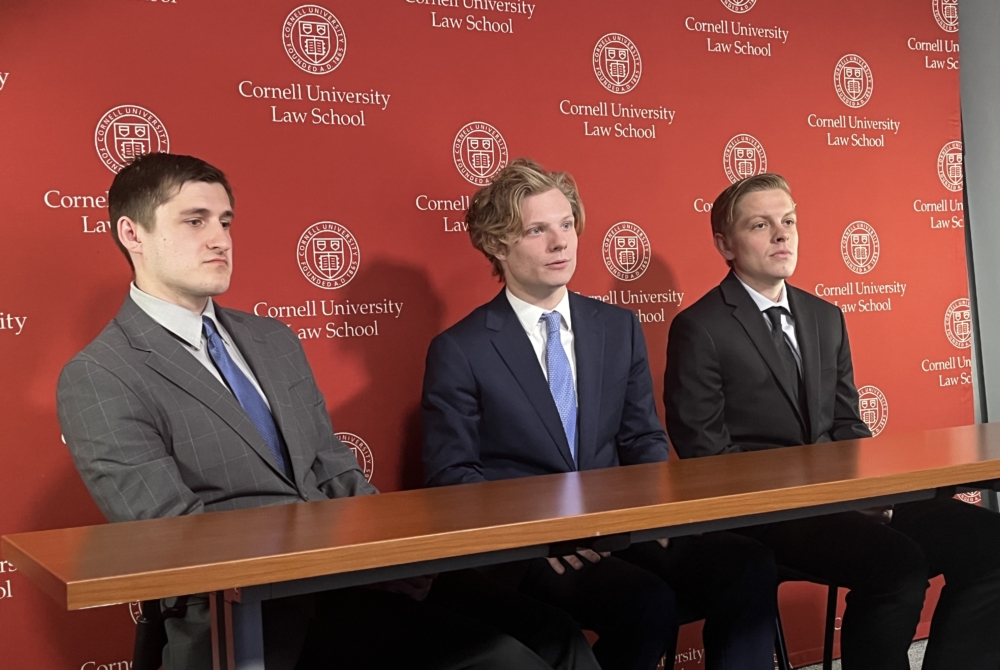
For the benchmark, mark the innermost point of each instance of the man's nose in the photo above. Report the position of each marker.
(558, 240)
(219, 238)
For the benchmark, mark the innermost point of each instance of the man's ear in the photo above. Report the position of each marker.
(130, 234)
(722, 246)
(501, 252)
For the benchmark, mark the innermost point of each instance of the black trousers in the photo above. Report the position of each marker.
(633, 600)
(731, 583)
(887, 567)
(547, 631)
(365, 629)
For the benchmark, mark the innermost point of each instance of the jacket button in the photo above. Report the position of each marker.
(306, 496)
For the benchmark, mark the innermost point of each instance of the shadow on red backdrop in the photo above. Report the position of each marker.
(390, 402)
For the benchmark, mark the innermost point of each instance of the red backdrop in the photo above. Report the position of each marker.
(358, 114)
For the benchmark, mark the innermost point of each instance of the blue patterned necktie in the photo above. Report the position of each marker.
(561, 379)
(251, 401)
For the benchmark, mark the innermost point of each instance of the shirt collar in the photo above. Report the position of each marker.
(180, 321)
(529, 315)
(764, 303)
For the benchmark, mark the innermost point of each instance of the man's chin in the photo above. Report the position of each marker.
(784, 270)
(214, 288)
(560, 278)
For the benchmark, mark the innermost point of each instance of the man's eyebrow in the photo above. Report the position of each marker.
(569, 217)
(201, 211)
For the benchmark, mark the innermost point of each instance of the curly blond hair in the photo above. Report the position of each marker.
(494, 216)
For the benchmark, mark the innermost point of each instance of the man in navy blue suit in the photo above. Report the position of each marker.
(541, 380)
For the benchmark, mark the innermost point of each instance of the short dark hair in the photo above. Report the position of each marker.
(151, 180)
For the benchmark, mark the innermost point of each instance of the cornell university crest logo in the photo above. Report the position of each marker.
(874, 408)
(626, 251)
(949, 166)
(859, 247)
(361, 452)
(852, 78)
(739, 6)
(946, 14)
(126, 132)
(479, 152)
(744, 157)
(958, 323)
(328, 255)
(617, 63)
(314, 39)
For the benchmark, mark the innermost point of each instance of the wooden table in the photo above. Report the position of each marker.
(309, 547)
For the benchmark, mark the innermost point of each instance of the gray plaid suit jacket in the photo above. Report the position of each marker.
(155, 434)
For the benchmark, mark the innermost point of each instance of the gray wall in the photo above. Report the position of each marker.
(979, 38)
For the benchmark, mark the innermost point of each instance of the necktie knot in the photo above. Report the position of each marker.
(552, 322)
(774, 314)
(210, 329)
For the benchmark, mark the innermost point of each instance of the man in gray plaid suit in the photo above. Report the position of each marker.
(180, 406)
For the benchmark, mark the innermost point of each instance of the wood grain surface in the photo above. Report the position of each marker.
(115, 563)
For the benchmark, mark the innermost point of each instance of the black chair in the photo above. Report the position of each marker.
(150, 637)
(151, 633)
(786, 575)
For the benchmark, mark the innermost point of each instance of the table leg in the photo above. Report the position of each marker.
(990, 500)
(248, 636)
(222, 631)
(237, 632)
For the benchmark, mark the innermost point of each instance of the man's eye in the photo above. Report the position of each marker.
(226, 224)
(567, 225)
(193, 222)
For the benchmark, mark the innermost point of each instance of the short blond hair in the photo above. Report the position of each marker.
(724, 207)
(494, 216)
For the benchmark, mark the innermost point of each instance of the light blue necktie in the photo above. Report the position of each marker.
(561, 379)
(251, 401)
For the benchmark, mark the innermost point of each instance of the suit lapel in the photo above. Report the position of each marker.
(168, 357)
(514, 347)
(746, 312)
(269, 374)
(588, 336)
(807, 335)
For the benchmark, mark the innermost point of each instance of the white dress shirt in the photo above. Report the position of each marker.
(189, 329)
(787, 322)
(530, 317)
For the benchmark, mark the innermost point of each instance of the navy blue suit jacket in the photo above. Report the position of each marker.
(488, 412)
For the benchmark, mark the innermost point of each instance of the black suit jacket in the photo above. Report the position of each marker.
(488, 412)
(724, 390)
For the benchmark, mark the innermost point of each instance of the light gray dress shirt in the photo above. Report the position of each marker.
(189, 329)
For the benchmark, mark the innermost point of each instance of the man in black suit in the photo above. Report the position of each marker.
(759, 364)
(541, 380)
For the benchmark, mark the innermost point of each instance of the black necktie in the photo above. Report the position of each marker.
(784, 348)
